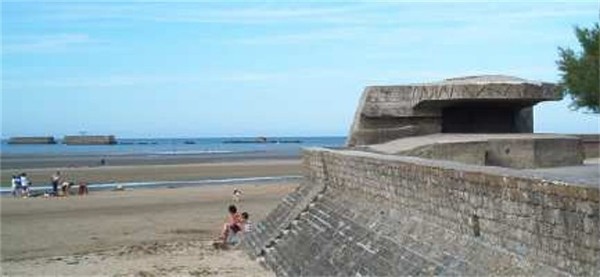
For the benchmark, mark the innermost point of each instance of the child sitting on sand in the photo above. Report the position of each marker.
(234, 223)
(246, 222)
(232, 226)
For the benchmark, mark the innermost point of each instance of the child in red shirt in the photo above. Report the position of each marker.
(234, 223)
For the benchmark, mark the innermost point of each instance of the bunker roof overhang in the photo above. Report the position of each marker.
(419, 99)
(472, 104)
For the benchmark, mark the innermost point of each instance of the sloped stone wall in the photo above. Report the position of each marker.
(280, 219)
(362, 213)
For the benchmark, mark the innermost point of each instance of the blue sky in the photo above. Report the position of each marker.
(246, 69)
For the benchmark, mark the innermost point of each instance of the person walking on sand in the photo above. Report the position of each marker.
(236, 195)
(15, 185)
(19, 186)
(83, 188)
(24, 185)
(55, 181)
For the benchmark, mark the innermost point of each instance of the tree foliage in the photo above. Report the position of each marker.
(579, 70)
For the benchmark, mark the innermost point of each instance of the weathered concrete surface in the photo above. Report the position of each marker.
(385, 215)
(507, 150)
(89, 140)
(586, 174)
(474, 104)
(31, 140)
(591, 144)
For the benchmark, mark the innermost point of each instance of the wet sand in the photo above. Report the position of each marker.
(179, 172)
(25, 161)
(135, 232)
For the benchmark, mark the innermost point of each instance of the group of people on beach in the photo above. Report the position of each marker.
(20, 185)
(65, 186)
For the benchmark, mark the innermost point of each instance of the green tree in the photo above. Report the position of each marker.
(579, 71)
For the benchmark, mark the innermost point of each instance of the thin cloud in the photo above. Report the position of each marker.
(226, 13)
(541, 12)
(379, 14)
(45, 43)
(250, 15)
(353, 14)
(98, 82)
(201, 78)
(252, 77)
(330, 34)
(396, 77)
(291, 75)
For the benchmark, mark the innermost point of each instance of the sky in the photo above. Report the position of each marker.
(214, 69)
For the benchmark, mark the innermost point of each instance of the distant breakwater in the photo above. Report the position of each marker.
(89, 140)
(32, 140)
(68, 140)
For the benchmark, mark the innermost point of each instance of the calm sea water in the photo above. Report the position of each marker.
(176, 146)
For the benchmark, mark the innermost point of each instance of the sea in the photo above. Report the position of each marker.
(199, 149)
(274, 146)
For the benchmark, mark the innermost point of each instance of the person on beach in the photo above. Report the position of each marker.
(24, 185)
(83, 189)
(65, 188)
(248, 226)
(55, 181)
(236, 195)
(233, 224)
(15, 185)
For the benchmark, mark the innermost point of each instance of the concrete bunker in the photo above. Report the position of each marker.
(479, 105)
(473, 104)
(412, 195)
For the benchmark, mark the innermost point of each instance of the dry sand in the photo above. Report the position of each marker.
(141, 232)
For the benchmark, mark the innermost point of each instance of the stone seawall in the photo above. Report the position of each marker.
(278, 222)
(361, 213)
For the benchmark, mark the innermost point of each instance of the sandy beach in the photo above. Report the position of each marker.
(143, 232)
(140, 231)
(168, 172)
